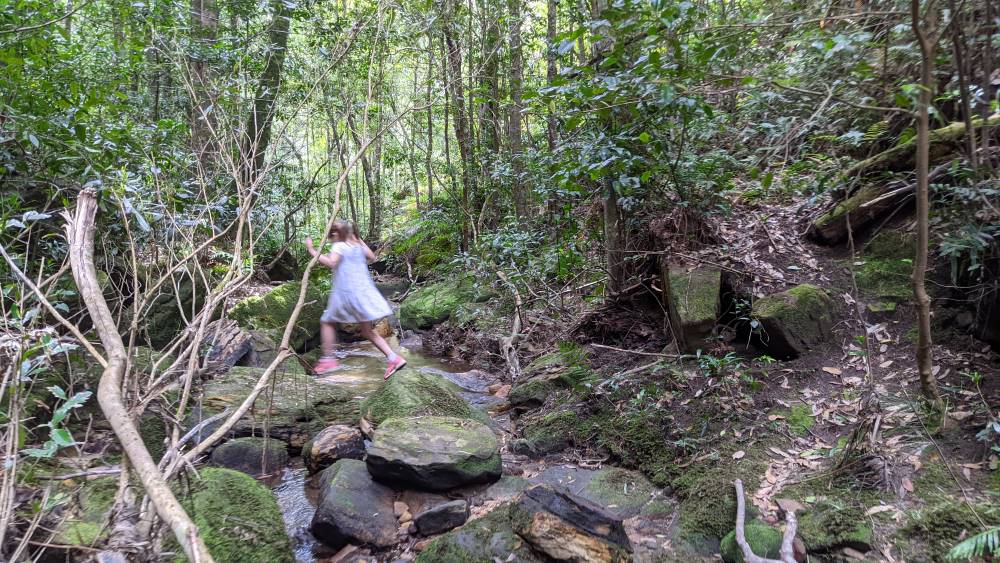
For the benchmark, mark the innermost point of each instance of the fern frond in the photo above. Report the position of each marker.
(985, 543)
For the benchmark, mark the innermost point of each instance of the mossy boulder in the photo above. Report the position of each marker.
(252, 455)
(85, 522)
(333, 443)
(692, 295)
(237, 517)
(794, 321)
(886, 267)
(551, 432)
(292, 409)
(764, 541)
(411, 393)
(270, 312)
(829, 526)
(434, 453)
(483, 540)
(435, 303)
(179, 299)
(564, 368)
(620, 491)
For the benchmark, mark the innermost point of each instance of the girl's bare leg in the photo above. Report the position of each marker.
(368, 331)
(327, 338)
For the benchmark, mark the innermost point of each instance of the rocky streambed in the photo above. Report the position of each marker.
(418, 468)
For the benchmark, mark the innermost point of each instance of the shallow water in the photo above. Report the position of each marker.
(362, 367)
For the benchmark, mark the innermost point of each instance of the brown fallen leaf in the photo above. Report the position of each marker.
(833, 370)
(907, 485)
(739, 454)
(878, 509)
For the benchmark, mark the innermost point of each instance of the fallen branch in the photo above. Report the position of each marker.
(787, 540)
(80, 234)
(508, 344)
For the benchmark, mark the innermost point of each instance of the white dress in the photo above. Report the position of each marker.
(353, 297)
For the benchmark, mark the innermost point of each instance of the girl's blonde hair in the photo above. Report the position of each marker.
(343, 229)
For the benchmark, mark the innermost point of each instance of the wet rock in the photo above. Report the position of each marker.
(692, 295)
(411, 393)
(442, 517)
(434, 453)
(253, 456)
(292, 409)
(764, 540)
(332, 443)
(569, 528)
(484, 540)
(392, 288)
(506, 488)
(531, 392)
(475, 380)
(352, 508)
(794, 321)
(237, 517)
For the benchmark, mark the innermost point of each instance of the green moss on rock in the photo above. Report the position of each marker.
(237, 517)
(828, 526)
(626, 492)
(435, 303)
(795, 320)
(552, 432)
(693, 303)
(764, 541)
(270, 312)
(86, 521)
(483, 540)
(411, 393)
(800, 419)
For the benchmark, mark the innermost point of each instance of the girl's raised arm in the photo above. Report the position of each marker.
(329, 260)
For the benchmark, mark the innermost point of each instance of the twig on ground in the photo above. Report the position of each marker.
(787, 540)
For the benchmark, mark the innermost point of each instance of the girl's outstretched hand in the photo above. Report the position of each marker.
(310, 247)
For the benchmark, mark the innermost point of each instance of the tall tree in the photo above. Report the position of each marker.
(516, 106)
(460, 119)
(204, 32)
(257, 134)
(429, 153)
(925, 30)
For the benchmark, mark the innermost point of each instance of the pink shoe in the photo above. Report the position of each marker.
(325, 365)
(394, 366)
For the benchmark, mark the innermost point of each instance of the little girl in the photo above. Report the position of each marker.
(353, 297)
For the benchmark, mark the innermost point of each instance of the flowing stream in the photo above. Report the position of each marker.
(361, 369)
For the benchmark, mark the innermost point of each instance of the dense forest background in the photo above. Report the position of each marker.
(555, 159)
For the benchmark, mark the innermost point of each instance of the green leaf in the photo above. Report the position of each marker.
(645, 137)
(58, 392)
(62, 437)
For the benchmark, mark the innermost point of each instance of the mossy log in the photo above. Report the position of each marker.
(944, 142)
(875, 198)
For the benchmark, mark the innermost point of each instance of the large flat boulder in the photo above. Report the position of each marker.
(794, 321)
(353, 508)
(692, 295)
(237, 517)
(292, 409)
(411, 393)
(569, 528)
(434, 453)
(622, 492)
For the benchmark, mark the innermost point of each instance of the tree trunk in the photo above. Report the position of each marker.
(516, 72)
(258, 128)
(430, 121)
(926, 38)
(461, 124)
(984, 108)
(551, 70)
(957, 40)
(369, 174)
(204, 29)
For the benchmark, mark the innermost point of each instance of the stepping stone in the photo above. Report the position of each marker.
(434, 453)
(442, 517)
(352, 508)
(331, 444)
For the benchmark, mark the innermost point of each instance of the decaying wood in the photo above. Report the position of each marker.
(80, 234)
(787, 539)
(508, 345)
